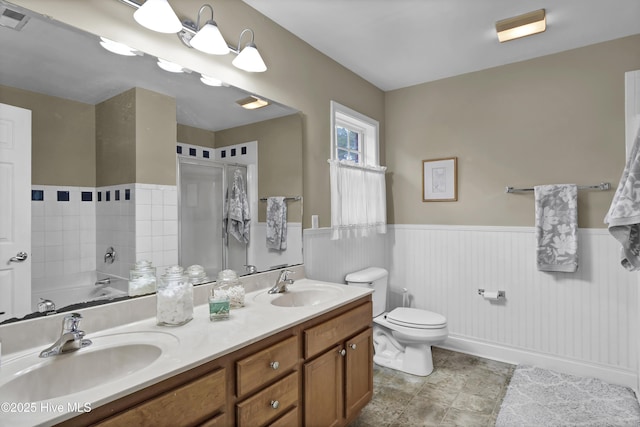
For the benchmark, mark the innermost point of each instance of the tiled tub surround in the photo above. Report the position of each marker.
(581, 323)
(72, 227)
(200, 340)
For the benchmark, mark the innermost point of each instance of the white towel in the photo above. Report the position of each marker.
(277, 223)
(624, 214)
(556, 227)
(238, 209)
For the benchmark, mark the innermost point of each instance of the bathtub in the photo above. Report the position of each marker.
(79, 288)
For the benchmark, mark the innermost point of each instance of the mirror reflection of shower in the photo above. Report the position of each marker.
(215, 216)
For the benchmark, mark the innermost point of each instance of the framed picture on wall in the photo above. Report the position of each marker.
(440, 180)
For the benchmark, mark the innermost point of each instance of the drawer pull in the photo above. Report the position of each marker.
(342, 352)
(275, 404)
(353, 346)
(274, 365)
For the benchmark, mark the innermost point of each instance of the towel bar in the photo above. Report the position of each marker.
(603, 186)
(264, 199)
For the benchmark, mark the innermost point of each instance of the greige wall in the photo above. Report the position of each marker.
(298, 75)
(555, 119)
(196, 136)
(279, 158)
(63, 138)
(155, 138)
(116, 139)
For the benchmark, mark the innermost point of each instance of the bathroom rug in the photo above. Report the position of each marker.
(540, 397)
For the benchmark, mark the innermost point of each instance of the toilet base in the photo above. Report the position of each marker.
(413, 358)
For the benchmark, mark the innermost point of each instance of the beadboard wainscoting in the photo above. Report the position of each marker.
(582, 323)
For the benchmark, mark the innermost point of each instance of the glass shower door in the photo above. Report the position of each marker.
(201, 193)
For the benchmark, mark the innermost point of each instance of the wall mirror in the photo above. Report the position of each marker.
(96, 186)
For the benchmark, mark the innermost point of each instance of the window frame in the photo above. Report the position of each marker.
(368, 128)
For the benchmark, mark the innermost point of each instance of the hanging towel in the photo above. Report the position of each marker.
(276, 223)
(623, 217)
(238, 209)
(556, 227)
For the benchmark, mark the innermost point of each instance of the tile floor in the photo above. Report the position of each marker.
(463, 390)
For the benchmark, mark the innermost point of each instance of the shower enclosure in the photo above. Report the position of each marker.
(203, 189)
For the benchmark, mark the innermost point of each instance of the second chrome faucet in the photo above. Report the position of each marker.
(282, 282)
(71, 338)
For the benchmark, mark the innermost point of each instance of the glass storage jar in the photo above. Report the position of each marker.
(229, 284)
(197, 274)
(142, 279)
(175, 298)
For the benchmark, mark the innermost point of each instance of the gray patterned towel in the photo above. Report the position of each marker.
(238, 209)
(277, 223)
(624, 214)
(557, 227)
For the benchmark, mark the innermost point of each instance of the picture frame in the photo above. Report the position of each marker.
(440, 180)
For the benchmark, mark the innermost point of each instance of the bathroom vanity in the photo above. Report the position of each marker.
(268, 365)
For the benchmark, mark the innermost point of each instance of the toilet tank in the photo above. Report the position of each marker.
(374, 278)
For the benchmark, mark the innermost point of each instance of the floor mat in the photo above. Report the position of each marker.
(539, 397)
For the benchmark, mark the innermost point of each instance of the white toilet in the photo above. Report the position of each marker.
(403, 337)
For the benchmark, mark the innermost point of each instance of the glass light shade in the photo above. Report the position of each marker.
(250, 60)
(171, 67)
(210, 81)
(209, 40)
(157, 15)
(118, 48)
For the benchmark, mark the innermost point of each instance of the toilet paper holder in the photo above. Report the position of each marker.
(501, 294)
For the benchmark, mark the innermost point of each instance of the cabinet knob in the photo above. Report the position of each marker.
(274, 365)
(353, 346)
(275, 404)
(342, 352)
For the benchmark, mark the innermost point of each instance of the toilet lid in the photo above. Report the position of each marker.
(416, 318)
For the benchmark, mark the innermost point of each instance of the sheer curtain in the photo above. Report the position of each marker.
(358, 200)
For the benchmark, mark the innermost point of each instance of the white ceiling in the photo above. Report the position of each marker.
(400, 43)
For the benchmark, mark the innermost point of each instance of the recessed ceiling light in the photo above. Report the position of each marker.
(521, 26)
(252, 102)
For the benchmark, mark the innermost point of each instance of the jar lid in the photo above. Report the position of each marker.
(174, 271)
(142, 264)
(196, 270)
(227, 276)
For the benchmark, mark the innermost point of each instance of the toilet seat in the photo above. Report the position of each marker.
(416, 318)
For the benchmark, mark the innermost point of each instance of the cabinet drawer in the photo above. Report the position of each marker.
(260, 409)
(287, 420)
(190, 403)
(260, 368)
(320, 337)
(217, 421)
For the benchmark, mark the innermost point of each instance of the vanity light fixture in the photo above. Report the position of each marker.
(208, 38)
(252, 102)
(118, 48)
(249, 58)
(169, 66)
(210, 81)
(157, 15)
(521, 26)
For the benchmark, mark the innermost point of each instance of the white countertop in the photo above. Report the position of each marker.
(196, 343)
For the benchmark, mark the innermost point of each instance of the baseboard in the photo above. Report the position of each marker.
(517, 356)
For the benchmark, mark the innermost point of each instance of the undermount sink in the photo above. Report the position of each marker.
(29, 378)
(303, 295)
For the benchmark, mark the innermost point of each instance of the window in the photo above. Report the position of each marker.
(358, 191)
(354, 137)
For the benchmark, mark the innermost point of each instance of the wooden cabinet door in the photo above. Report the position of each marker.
(358, 372)
(323, 392)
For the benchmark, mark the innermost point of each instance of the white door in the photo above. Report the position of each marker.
(15, 211)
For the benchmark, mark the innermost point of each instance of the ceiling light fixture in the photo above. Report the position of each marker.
(118, 48)
(249, 58)
(252, 102)
(157, 15)
(521, 26)
(208, 38)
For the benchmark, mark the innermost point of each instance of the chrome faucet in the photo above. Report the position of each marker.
(282, 282)
(71, 338)
(103, 282)
(110, 256)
